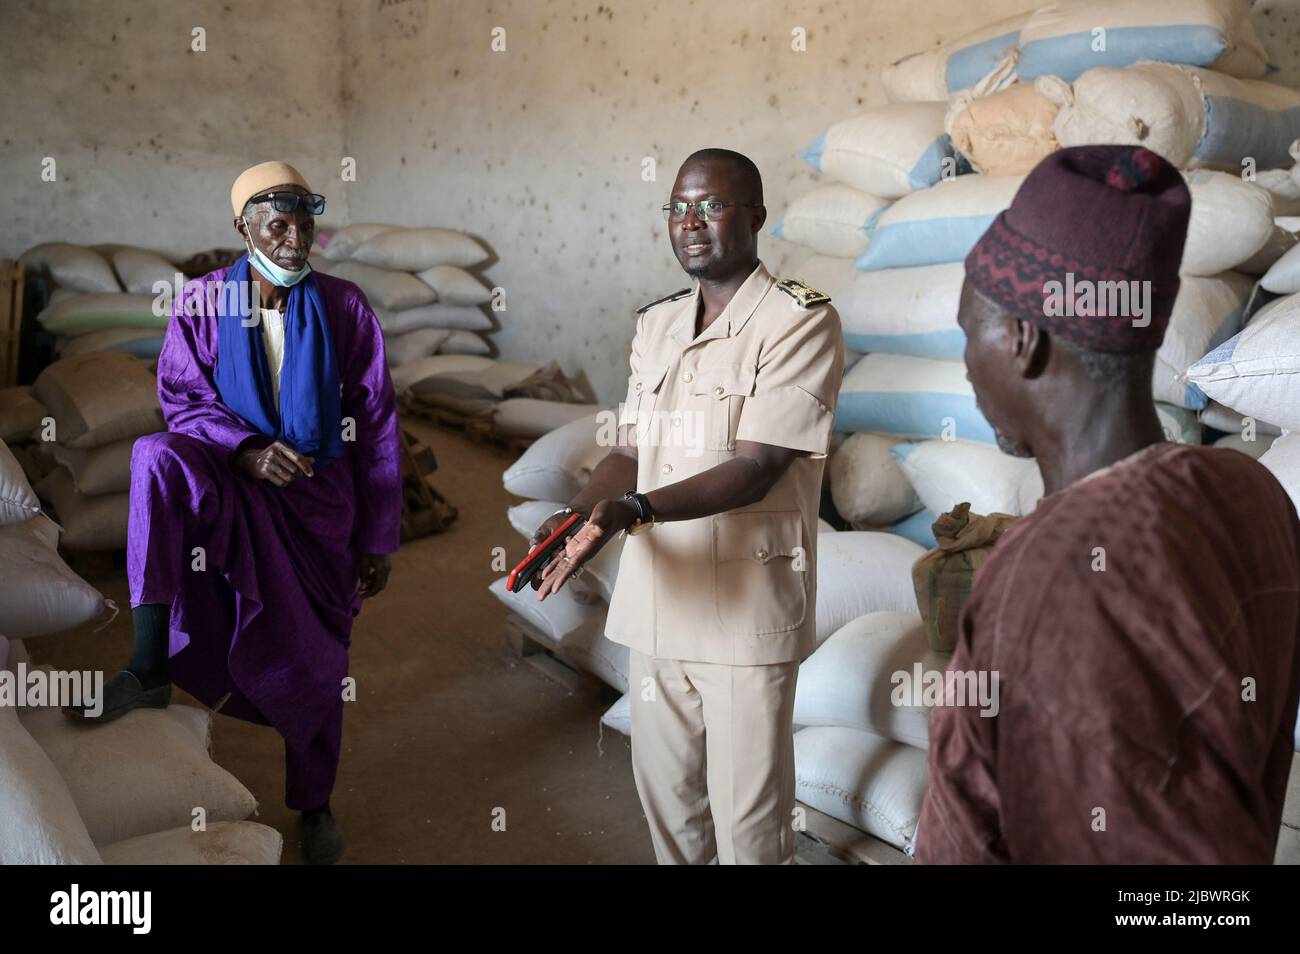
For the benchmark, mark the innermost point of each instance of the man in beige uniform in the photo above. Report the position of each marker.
(724, 433)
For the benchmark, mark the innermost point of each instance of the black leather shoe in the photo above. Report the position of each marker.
(322, 841)
(122, 693)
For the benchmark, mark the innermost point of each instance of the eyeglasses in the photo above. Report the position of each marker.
(290, 201)
(705, 209)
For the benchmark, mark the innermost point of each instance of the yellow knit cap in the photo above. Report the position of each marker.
(260, 178)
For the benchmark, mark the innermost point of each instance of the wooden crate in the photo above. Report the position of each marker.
(11, 320)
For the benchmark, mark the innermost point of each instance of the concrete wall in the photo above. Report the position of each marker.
(146, 134)
(538, 149)
(1278, 24)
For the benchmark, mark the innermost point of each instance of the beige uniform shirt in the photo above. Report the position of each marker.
(737, 588)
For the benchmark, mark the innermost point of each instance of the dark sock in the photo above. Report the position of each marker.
(151, 622)
(323, 810)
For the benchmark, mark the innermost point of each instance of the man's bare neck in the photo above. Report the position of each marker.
(272, 295)
(715, 296)
(1076, 449)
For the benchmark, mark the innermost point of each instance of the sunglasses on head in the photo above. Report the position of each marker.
(291, 201)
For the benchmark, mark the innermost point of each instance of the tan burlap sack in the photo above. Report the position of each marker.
(89, 523)
(141, 774)
(222, 843)
(944, 576)
(100, 470)
(20, 415)
(99, 397)
(1005, 133)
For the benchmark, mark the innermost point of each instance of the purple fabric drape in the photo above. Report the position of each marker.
(265, 614)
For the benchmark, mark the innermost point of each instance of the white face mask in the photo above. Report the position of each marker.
(279, 275)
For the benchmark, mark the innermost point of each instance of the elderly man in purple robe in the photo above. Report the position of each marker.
(265, 513)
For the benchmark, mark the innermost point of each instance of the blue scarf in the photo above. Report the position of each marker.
(310, 419)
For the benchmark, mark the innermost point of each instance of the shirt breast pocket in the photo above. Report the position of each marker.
(643, 388)
(760, 571)
(719, 395)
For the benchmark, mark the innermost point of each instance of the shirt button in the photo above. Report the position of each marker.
(761, 553)
(677, 422)
(638, 385)
(718, 390)
(687, 377)
(668, 468)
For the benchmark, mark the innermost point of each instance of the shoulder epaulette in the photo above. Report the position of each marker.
(805, 296)
(673, 297)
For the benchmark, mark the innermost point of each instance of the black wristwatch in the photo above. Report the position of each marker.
(645, 513)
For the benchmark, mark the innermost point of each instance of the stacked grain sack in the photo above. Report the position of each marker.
(453, 388)
(95, 405)
(548, 474)
(1254, 382)
(103, 297)
(125, 796)
(1279, 260)
(419, 283)
(888, 237)
(1219, 375)
(1204, 107)
(433, 312)
(909, 226)
(861, 739)
(917, 182)
(39, 593)
(22, 417)
(122, 795)
(517, 400)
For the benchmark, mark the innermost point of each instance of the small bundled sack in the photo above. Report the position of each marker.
(549, 384)
(943, 577)
(1003, 133)
(424, 510)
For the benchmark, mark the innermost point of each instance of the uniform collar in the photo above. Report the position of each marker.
(733, 317)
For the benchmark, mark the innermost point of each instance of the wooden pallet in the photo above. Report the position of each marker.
(848, 843)
(485, 432)
(543, 654)
(11, 320)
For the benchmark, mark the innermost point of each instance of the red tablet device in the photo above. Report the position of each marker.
(541, 554)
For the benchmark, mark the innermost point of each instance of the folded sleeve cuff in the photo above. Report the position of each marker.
(788, 417)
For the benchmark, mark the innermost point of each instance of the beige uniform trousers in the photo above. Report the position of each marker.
(713, 758)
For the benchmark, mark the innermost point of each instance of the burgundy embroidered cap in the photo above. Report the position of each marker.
(1090, 247)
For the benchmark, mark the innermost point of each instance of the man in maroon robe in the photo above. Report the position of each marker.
(1144, 619)
(255, 535)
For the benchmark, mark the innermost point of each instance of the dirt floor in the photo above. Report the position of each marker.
(449, 724)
